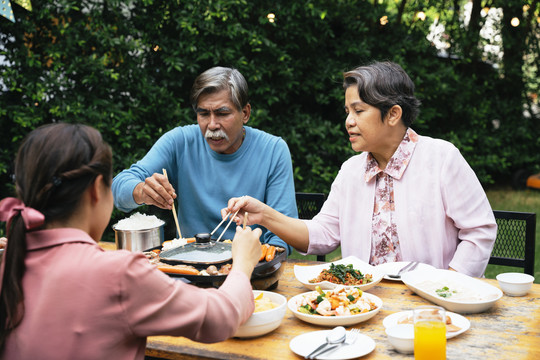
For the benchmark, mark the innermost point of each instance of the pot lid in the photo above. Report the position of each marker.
(199, 253)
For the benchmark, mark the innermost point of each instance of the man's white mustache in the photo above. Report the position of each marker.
(216, 134)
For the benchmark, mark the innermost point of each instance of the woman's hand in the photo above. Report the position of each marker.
(3, 242)
(246, 249)
(155, 190)
(254, 207)
(293, 231)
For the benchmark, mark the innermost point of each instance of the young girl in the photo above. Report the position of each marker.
(63, 297)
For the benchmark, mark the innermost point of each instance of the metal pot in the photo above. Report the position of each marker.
(139, 240)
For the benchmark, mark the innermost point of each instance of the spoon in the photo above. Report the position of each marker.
(409, 267)
(334, 338)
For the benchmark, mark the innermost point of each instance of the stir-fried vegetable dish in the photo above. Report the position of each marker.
(343, 274)
(341, 301)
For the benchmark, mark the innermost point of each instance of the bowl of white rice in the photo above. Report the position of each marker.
(139, 232)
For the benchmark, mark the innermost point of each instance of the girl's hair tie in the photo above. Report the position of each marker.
(10, 207)
(56, 181)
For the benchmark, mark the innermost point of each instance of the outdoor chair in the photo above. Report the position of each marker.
(309, 205)
(515, 242)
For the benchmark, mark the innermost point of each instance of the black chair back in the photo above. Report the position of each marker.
(309, 205)
(515, 242)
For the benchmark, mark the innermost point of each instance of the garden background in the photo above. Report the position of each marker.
(126, 68)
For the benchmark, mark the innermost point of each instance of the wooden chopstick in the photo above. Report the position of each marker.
(217, 227)
(174, 211)
(226, 227)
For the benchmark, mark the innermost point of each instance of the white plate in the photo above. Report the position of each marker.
(394, 267)
(306, 273)
(457, 320)
(416, 281)
(304, 344)
(333, 320)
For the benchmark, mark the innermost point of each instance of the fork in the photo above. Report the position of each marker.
(352, 336)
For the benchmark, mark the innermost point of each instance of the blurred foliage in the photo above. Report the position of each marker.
(126, 67)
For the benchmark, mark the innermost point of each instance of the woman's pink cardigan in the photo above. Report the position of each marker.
(443, 216)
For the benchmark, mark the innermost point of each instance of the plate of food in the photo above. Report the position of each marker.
(455, 323)
(454, 291)
(342, 306)
(349, 271)
(394, 267)
(304, 344)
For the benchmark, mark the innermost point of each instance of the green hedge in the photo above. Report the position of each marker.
(127, 68)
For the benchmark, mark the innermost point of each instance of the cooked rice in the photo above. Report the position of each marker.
(139, 221)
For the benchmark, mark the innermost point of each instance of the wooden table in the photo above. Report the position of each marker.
(508, 330)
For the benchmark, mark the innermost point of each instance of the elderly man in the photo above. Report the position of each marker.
(212, 162)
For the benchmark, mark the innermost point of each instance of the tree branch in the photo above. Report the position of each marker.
(400, 10)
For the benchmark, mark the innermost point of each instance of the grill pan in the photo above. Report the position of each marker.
(221, 254)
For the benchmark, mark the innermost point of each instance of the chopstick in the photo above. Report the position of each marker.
(217, 227)
(174, 211)
(245, 219)
(226, 227)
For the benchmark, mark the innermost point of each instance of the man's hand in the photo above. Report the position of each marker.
(155, 190)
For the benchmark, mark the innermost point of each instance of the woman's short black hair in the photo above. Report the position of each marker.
(383, 85)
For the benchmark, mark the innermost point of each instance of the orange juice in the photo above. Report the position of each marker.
(429, 340)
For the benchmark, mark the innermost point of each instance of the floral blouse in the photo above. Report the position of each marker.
(384, 236)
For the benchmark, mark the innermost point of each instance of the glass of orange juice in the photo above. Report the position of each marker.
(429, 333)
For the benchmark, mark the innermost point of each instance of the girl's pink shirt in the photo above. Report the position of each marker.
(82, 302)
(442, 214)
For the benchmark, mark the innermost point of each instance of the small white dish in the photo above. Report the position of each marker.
(347, 320)
(483, 295)
(263, 322)
(458, 320)
(515, 284)
(304, 344)
(306, 273)
(401, 337)
(394, 267)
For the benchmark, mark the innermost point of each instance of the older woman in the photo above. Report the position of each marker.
(405, 197)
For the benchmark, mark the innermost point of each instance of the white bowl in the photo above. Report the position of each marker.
(263, 322)
(334, 320)
(515, 284)
(401, 337)
(460, 321)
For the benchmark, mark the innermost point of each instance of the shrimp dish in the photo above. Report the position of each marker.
(341, 301)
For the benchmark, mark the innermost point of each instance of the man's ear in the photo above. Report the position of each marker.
(393, 116)
(246, 113)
